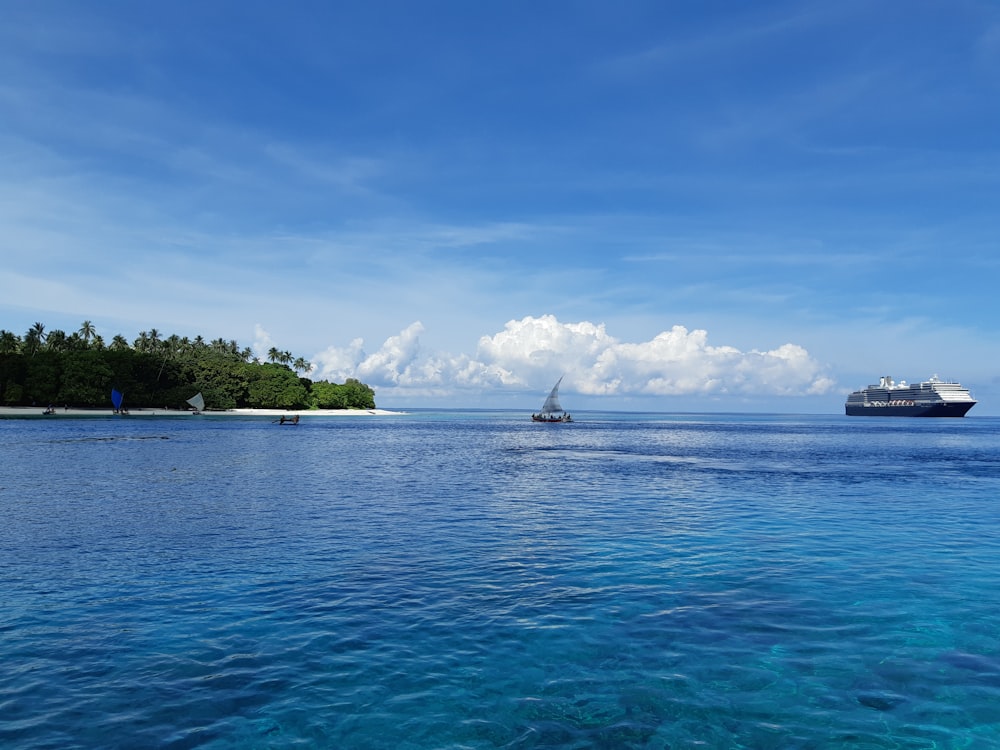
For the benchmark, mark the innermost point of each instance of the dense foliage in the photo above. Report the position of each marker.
(80, 369)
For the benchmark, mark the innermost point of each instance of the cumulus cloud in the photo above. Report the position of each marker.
(399, 363)
(391, 365)
(531, 352)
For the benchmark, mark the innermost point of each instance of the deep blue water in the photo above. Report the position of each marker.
(447, 580)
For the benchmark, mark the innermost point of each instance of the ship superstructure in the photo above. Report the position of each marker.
(931, 398)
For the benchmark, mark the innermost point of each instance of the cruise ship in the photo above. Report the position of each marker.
(931, 398)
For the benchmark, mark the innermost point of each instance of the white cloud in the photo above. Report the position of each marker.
(262, 342)
(531, 352)
(338, 364)
(393, 362)
(398, 364)
(391, 365)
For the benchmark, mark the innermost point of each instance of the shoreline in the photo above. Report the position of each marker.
(30, 412)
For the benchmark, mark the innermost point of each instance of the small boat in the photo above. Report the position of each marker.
(198, 402)
(117, 397)
(552, 410)
(289, 420)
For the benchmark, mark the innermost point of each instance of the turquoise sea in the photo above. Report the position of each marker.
(474, 580)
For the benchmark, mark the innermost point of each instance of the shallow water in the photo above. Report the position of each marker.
(473, 580)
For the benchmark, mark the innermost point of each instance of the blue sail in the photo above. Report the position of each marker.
(116, 398)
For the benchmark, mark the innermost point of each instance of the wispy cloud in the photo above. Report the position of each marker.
(738, 34)
(782, 175)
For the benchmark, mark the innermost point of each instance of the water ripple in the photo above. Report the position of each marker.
(454, 582)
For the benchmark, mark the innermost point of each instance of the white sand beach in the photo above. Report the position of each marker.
(64, 411)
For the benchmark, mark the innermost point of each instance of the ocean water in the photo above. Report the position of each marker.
(473, 580)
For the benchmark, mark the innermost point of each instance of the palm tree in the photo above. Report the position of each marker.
(39, 331)
(170, 346)
(34, 338)
(9, 343)
(119, 343)
(57, 341)
(87, 331)
(273, 355)
(301, 365)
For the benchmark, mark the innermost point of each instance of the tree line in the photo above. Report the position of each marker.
(80, 369)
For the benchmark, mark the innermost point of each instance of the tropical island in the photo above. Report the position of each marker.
(80, 369)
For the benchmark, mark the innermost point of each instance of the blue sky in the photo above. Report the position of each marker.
(679, 206)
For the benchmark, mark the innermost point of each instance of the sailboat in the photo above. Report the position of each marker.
(198, 402)
(552, 411)
(116, 400)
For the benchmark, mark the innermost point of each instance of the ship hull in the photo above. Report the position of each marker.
(931, 410)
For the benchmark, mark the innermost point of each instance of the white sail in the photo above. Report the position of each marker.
(197, 401)
(551, 405)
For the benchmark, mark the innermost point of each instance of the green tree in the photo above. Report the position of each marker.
(223, 385)
(353, 394)
(12, 377)
(77, 368)
(57, 341)
(276, 387)
(10, 343)
(359, 395)
(87, 331)
(42, 378)
(11, 393)
(328, 395)
(38, 331)
(34, 339)
(85, 379)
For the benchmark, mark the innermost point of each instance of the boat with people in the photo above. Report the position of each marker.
(930, 398)
(552, 410)
(118, 401)
(197, 402)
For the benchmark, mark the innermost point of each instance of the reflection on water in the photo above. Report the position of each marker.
(457, 580)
